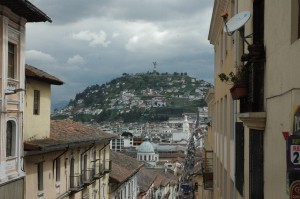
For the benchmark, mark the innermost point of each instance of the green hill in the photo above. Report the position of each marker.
(137, 98)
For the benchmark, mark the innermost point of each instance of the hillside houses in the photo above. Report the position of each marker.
(124, 96)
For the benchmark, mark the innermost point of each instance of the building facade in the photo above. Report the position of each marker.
(13, 19)
(62, 159)
(258, 130)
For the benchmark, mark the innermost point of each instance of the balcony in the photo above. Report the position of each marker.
(106, 166)
(88, 176)
(207, 166)
(76, 183)
(101, 168)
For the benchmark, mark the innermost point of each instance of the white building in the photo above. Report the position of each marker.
(124, 141)
(146, 153)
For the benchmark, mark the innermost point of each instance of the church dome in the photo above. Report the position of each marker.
(146, 147)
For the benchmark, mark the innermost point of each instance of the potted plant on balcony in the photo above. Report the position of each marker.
(239, 80)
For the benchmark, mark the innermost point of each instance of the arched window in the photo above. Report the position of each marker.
(10, 138)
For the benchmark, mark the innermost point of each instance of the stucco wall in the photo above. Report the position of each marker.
(37, 126)
(281, 90)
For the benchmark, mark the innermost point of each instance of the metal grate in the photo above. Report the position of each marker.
(239, 157)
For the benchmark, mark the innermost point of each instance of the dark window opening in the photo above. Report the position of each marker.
(57, 169)
(9, 138)
(239, 157)
(40, 172)
(36, 102)
(11, 61)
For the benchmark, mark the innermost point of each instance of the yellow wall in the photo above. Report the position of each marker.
(282, 90)
(37, 126)
(52, 188)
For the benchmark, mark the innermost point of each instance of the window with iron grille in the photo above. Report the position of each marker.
(36, 102)
(239, 157)
(256, 164)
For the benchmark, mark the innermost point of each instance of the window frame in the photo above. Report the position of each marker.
(40, 176)
(11, 68)
(36, 102)
(11, 150)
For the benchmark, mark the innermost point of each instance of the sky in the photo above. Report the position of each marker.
(94, 41)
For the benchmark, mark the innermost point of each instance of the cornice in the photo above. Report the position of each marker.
(216, 23)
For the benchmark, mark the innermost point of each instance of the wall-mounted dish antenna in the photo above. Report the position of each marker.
(236, 22)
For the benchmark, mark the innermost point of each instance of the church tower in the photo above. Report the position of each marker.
(186, 127)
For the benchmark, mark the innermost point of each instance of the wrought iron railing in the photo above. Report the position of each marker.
(207, 166)
(76, 182)
(87, 176)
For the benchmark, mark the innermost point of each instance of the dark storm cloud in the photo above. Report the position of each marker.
(91, 42)
(68, 11)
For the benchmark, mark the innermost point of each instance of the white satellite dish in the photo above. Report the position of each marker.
(237, 21)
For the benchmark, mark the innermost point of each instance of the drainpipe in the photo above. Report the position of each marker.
(53, 162)
(235, 104)
(93, 145)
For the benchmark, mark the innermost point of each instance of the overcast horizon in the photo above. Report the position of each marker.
(92, 43)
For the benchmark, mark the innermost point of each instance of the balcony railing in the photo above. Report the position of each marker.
(207, 166)
(76, 182)
(88, 176)
(101, 168)
(106, 166)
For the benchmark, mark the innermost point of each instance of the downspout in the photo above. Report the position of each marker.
(67, 148)
(53, 162)
(235, 104)
(93, 145)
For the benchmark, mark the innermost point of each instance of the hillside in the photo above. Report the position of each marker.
(137, 98)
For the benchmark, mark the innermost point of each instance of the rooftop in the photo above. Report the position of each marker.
(123, 166)
(64, 134)
(26, 9)
(35, 73)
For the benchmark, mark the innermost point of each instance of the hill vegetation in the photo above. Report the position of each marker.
(137, 98)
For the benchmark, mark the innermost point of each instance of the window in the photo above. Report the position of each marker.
(239, 157)
(36, 102)
(10, 139)
(57, 170)
(40, 171)
(11, 61)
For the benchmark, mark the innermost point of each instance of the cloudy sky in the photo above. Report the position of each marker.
(93, 41)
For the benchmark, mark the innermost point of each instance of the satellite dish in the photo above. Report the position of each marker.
(237, 21)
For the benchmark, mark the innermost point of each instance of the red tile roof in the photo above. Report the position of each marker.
(123, 166)
(35, 73)
(65, 133)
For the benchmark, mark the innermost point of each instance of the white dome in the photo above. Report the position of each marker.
(146, 147)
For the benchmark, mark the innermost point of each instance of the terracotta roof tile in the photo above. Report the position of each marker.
(123, 166)
(145, 178)
(35, 73)
(64, 133)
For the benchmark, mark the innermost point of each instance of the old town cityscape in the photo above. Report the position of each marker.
(154, 134)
